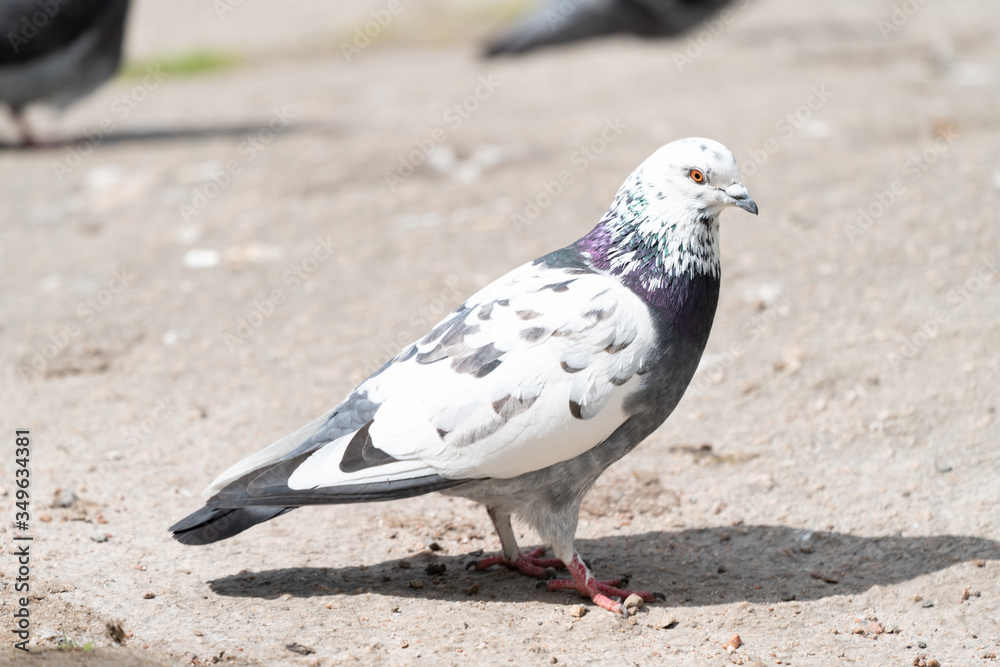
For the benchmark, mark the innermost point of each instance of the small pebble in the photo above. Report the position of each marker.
(827, 578)
(403, 565)
(63, 499)
(663, 620)
(734, 643)
(577, 610)
(435, 568)
(634, 602)
(148, 595)
(103, 537)
(473, 589)
(197, 633)
(434, 546)
(416, 584)
(299, 648)
(921, 644)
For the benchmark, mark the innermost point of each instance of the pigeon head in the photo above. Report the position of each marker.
(697, 176)
(664, 221)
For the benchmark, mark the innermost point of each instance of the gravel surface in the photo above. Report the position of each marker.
(240, 247)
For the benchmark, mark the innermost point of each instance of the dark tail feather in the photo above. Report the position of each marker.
(588, 19)
(211, 524)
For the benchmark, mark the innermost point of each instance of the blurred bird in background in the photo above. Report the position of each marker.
(56, 52)
(562, 21)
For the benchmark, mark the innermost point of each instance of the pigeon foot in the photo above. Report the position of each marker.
(530, 564)
(601, 592)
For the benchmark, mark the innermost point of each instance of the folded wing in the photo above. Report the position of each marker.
(532, 370)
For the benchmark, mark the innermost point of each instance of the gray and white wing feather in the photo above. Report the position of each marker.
(532, 370)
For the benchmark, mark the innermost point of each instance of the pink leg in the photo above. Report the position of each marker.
(531, 563)
(534, 565)
(598, 591)
(27, 138)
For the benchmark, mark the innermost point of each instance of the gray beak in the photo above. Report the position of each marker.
(741, 198)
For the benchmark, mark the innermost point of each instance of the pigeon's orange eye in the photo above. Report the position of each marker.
(696, 176)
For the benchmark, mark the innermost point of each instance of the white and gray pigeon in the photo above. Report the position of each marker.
(559, 22)
(526, 393)
(56, 52)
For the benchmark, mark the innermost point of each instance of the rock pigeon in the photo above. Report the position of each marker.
(526, 393)
(560, 21)
(57, 51)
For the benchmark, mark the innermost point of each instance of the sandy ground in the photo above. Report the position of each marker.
(827, 489)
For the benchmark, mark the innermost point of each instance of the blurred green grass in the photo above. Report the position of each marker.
(184, 64)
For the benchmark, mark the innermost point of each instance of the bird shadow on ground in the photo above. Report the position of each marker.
(166, 134)
(692, 568)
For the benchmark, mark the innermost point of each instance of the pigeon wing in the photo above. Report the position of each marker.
(532, 370)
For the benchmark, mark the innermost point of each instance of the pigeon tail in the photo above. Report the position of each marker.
(211, 524)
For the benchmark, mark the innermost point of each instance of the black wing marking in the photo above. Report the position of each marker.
(361, 453)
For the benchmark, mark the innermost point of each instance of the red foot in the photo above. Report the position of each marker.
(598, 591)
(529, 563)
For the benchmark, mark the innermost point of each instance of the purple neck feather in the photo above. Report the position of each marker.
(687, 303)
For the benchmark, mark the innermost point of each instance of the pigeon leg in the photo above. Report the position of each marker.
(600, 592)
(531, 563)
(27, 138)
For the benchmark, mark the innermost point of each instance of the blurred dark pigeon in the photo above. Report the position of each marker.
(562, 21)
(56, 51)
